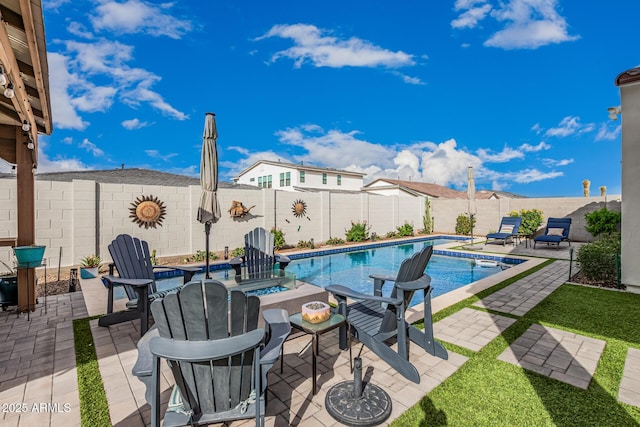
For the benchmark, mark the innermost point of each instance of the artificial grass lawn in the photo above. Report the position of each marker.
(94, 410)
(489, 392)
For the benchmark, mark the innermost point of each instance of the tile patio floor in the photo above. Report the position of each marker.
(37, 362)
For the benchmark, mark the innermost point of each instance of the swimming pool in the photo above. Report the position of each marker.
(448, 270)
(352, 269)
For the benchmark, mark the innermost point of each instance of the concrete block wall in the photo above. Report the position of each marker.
(83, 217)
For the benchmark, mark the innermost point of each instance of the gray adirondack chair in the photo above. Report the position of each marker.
(132, 259)
(215, 351)
(375, 318)
(259, 256)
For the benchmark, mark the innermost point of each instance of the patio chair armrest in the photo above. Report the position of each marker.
(383, 278)
(278, 330)
(187, 271)
(379, 281)
(343, 291)
(144, 362)
(202, 351)
(423, 282)
(115, 280)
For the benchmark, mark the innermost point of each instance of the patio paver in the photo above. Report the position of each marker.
(562, 355)
(521, 296)
(472, 329)
(630, 384)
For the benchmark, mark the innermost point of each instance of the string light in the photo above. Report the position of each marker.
(26, 126)
(3, 78)
(8, 92)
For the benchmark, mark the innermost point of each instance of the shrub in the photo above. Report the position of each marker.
(237, 252)
(278, 238)
(202, 255)
(359, 232)
(532, 219)
(391, 235)
(463, 224)
(304, 244)
(598, 259)
(426, 219)
(602, 221)
(90, 261)
(405, 230)
(334, 241)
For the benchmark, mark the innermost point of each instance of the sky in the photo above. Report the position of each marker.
(415, 90)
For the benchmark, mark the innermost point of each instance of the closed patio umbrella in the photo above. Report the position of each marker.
(471, 197)
(209, 209)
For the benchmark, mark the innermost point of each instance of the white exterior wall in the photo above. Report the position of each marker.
(313, 178)
(630, 97)
(83, 217)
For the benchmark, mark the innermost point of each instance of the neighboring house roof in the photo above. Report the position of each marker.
(489, 194)
(301, 166)
(421, 188)
(129, 176)
(316, 190)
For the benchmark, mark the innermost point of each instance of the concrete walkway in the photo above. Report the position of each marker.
(38, 375)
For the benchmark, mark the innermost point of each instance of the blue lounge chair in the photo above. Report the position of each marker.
(508, 229)
(557, 231)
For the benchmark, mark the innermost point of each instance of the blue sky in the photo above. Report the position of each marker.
(519, 89)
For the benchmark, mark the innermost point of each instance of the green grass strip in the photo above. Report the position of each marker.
(94, 410)
(489, 392)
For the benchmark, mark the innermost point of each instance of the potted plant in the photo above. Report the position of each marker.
(8, 287)
(89, 266)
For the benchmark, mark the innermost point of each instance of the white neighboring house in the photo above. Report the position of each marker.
(298, 177)
(396, 187)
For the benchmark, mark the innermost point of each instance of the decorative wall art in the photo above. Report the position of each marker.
(299, 208)
(238, 210)
(147, 211)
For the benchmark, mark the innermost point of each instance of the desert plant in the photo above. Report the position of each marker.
(532, 219)
(304, 244)
(463, 224)
(598, 259)
(278, 238)
(90, 261)
(426, 219)
(359, 232)
(405, 230)
(602, 221)
(201, 256)
(154, 260)
(391, 235)
(237, 252)
(12, 272)
(334, 241)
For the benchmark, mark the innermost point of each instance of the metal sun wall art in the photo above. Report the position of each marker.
(299, 208)
(147, 211)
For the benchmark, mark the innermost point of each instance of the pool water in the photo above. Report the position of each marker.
(352, 269)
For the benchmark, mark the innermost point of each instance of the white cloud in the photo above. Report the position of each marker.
(445, 165)
(54, 4)
(410, 80)
(155, 154)
(537, 128)
(64, 113)
(530, 175)
(193, 170)
(134, 16)
(78, 29)
(555, 162)
(134, 124)
(67, 140)
(251, 157)
(91, 148)
(568, 126)
(470, 17)
(311, 44)
(530, 24)
(606, 134)
(535, 148)
(505, 155)
(57, 164)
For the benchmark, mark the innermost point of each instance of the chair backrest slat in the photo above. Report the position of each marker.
(564, 223)
(258, 251)
(515, 221)
(132, 259)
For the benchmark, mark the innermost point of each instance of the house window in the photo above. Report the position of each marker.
(259, 181)
(339, 179)
(252, 179)
(324, 178)
(288, 179)
(302, 177)
(282, 179)
(269, 180)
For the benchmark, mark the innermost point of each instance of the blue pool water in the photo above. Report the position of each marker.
(353, 268)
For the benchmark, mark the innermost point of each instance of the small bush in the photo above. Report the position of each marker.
(278, 238)
(302, 244)
(391, 235)
(90, 261)
(463, 224)
(334, 241)
(602, 222)
(237, 252)
(359, 232)
(532, 219)
(405, 230)
(202, 255)
(426, 218)
(598, 259)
